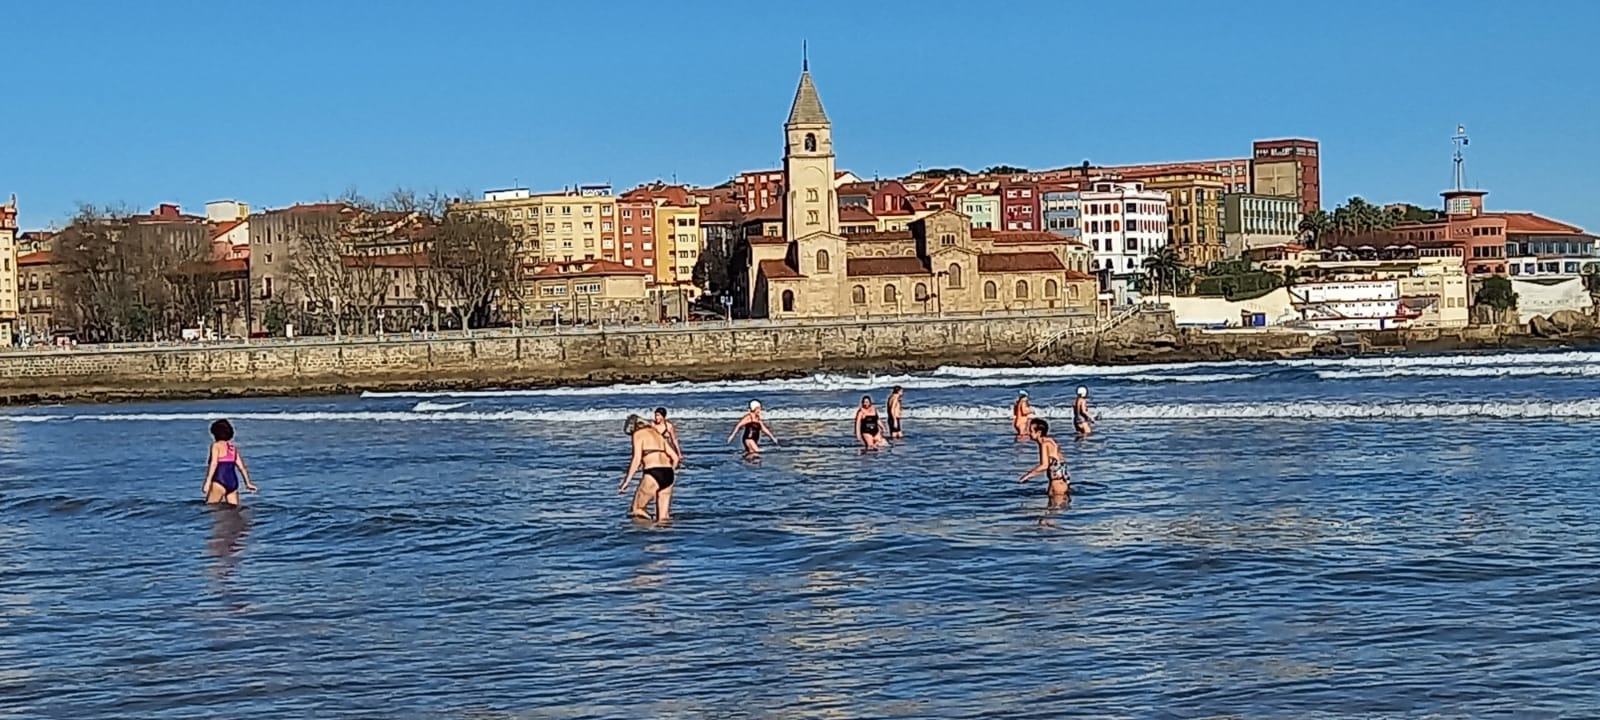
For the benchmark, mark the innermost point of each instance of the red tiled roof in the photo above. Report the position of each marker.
(768, 240)
(216, 267)
(1019, 262)
(42, 257)
(770, 212)
(1531, 223)
(1080, 276)
(778, 270)
(224, 228)
(586, 268)
(856, 214)
(670, 194)
(867, 267)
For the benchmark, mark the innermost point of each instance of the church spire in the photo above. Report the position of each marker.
(807, 108)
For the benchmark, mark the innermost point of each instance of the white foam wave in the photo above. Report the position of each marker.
(1464, 371)
(427, 406)
(821, 383)
(1307, 410)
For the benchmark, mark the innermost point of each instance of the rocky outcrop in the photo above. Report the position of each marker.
(1563, 324)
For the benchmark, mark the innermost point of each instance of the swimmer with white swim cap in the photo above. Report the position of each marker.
(753, 426)
(1080, 413)
(1021, 413)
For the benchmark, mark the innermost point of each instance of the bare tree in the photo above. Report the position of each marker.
(317, 271)
(475, 262)
(123, 277)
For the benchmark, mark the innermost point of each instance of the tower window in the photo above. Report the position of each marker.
(811, 142)
(811, 194)
(812, 217)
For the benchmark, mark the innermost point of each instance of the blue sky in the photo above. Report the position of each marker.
(273, 103)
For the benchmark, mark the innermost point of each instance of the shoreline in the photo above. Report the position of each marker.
(1105, 349)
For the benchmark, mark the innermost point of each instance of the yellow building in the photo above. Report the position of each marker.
(568, 226)
(8, 273)
(678, 245)
(1194, 222)
(596, 291)
(934, 266)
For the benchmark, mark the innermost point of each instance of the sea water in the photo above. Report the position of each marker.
(1387, 537)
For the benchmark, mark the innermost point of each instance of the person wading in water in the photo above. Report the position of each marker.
(896, 412)
(753, 427)
(1021, 413)
(1050, 464)
(655, 456)
(868, 432)
(1080, 413)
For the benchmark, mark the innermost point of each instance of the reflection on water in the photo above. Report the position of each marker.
(1365, 567)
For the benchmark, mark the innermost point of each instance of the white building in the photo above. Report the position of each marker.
(1351, 304)
(1256, 221)
(1123, 223)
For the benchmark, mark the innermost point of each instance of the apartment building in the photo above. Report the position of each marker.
(9, 303)
(571, 225)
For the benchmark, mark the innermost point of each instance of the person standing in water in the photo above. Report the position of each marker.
(896, 412)
(225, 468)
(1050, 464)
(1080, 413)
(659, 461)
(668, 431)
(1021, 413)
(753, 426)
(868, 433)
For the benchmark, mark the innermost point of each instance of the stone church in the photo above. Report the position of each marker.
(940, 265)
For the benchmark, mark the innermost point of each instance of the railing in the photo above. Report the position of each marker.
(1111, 323)
(546, 331)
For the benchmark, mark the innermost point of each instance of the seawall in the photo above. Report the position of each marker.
(696, 352)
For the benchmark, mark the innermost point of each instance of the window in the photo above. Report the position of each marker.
(266, 287)
(810, 142)
(549, 227)
(920, 292)
(788, 298)
(566, 209)
(627, 213)
(811, 194)
(953, 278)
(566, 227)
(649, 246)
(858, 295)
(588, 226)
(644, 213)
(822, 261)
(605, 226)
(990, 291)
(647, 230)
(1022, 289)
(890, 294)
(605, 211)
(649, 262)
(1050, 289)
(812, 218)
(587, 288)
(627, 230)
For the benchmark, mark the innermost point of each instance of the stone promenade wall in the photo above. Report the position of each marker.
(694, 353)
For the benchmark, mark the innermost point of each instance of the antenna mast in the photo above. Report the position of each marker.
(1460, 141)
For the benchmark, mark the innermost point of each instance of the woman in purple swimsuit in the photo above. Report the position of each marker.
(226, 468)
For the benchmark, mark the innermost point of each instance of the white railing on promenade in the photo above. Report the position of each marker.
(546, 331)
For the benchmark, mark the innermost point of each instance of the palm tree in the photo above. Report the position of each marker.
(1317, 224)
(1164, 264)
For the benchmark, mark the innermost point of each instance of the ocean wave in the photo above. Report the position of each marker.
(428, 406)
(1294, 410)
(1462, 371)
(820, 383)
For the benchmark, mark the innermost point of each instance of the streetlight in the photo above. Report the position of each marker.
(557, 308)
(727, 306)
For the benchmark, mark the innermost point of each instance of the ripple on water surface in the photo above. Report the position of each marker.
(1305, 539)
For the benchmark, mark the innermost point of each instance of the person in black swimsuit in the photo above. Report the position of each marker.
(659, 461)
(867, 430)
(753, 426)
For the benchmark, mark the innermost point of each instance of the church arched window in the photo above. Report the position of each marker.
(811, 142)
(822, 261)
(811, 194)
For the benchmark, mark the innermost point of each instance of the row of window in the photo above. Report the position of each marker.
(587, 211)
(991, 291)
